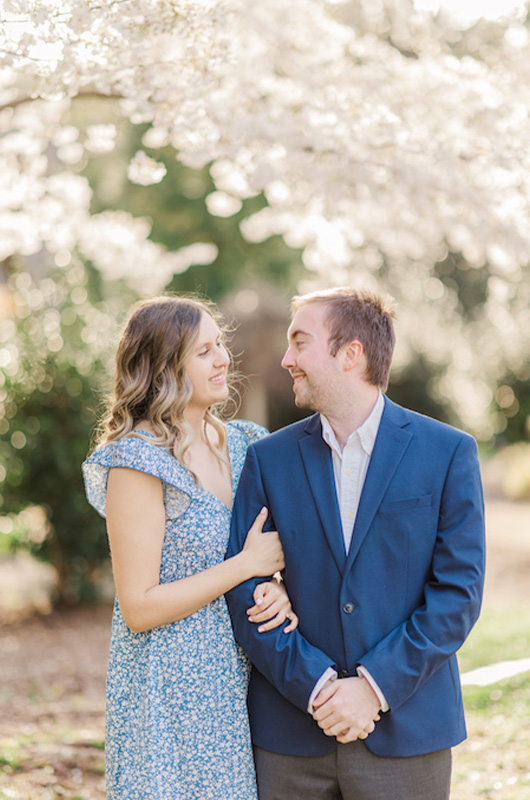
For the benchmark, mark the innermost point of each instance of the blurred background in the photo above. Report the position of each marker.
(377, 144)
(249, 152)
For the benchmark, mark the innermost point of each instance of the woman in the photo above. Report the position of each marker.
(164, 477)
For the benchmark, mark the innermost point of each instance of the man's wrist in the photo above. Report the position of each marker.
(362, 672)
(329, 675)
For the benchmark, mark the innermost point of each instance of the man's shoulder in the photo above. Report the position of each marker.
(289, 434)
(423, 424)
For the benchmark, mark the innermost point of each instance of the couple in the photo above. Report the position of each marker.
(380, 516)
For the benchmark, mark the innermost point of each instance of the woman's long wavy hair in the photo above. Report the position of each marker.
(151, 382)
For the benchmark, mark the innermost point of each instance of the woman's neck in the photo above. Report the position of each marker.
(195, 418)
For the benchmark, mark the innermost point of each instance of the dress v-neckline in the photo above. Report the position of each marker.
(190, 475)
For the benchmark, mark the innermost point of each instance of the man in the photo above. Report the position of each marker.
(380, 513)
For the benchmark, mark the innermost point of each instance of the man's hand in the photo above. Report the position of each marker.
(347, 709)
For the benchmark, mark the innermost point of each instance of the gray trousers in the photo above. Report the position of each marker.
(352, 772)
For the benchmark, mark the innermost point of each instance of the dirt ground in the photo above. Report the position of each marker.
(52, 675)
(52, 701)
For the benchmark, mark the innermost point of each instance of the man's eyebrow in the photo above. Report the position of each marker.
(294, 334)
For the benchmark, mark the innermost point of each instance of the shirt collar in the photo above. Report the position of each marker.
(367, 432)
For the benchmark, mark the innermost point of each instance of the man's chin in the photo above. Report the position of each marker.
(301, 401)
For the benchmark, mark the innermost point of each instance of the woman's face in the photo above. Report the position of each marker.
(207, 366)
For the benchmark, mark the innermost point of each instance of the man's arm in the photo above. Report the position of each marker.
(287, 660)
(411, 653)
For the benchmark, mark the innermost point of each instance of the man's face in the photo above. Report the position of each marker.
(314, 370)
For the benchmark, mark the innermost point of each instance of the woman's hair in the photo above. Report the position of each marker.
(151, 382)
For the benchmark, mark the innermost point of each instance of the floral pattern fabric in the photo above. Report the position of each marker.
(176, 718)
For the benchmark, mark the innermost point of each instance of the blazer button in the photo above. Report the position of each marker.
(348, 608)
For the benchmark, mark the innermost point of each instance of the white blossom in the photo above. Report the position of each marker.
(221, 204)
(100, 138)
(383, 138)
(144, 170)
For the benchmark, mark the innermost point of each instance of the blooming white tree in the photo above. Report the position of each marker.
(384, 139)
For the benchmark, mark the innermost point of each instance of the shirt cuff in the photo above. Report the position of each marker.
(329, 674)
(362, 672)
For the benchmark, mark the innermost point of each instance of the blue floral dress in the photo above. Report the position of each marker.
(176, 719)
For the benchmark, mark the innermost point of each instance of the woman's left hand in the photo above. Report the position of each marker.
(272, 607)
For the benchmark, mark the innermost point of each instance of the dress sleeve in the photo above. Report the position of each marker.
(143, 456)
(250, 430)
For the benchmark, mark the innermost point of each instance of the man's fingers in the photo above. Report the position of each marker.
(369, 728)
(337, 730)
(347, 736)
(351, 735)
(327, 691)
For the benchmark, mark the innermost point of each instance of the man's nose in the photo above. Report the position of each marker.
(287, 360)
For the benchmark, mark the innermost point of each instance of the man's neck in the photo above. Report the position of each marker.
(346, 420)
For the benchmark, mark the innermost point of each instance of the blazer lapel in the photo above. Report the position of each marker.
(318, 465)
(390, 445)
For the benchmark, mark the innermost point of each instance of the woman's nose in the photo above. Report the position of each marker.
(222, 356)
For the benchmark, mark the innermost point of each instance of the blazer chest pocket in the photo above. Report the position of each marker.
(406, 504)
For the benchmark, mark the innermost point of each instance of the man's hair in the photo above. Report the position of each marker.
(358, 314)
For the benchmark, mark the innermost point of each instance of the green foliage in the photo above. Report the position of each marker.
(179, 215)
(513, 405)
(46, 472)
(56, 359)
(58, 337)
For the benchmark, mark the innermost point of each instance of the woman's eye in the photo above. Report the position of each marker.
(204, 352)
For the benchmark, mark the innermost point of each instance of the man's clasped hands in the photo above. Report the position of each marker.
(347, 708)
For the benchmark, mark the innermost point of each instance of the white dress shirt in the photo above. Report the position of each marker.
(350, 465)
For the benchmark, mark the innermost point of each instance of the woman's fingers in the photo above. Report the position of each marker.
(293, 624)
(277, 620)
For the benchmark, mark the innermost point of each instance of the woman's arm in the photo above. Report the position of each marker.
(136, 524)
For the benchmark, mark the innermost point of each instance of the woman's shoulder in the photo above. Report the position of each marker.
(131, 451)
(137, 452)
(249, 432)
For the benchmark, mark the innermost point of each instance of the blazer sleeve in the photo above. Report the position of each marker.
(287, 660)
(403, 660)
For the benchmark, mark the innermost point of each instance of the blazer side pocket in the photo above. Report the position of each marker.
(406, 504)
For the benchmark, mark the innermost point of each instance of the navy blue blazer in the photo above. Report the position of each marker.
(401, 602)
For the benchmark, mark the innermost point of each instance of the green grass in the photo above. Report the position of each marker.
(500, 634)
(494, 763)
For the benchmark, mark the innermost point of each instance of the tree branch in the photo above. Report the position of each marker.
(81, 96)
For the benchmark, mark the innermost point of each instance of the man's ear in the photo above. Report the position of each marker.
(353, 354)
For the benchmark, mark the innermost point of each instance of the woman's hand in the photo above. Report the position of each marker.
(272, 607)
(262, 550)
